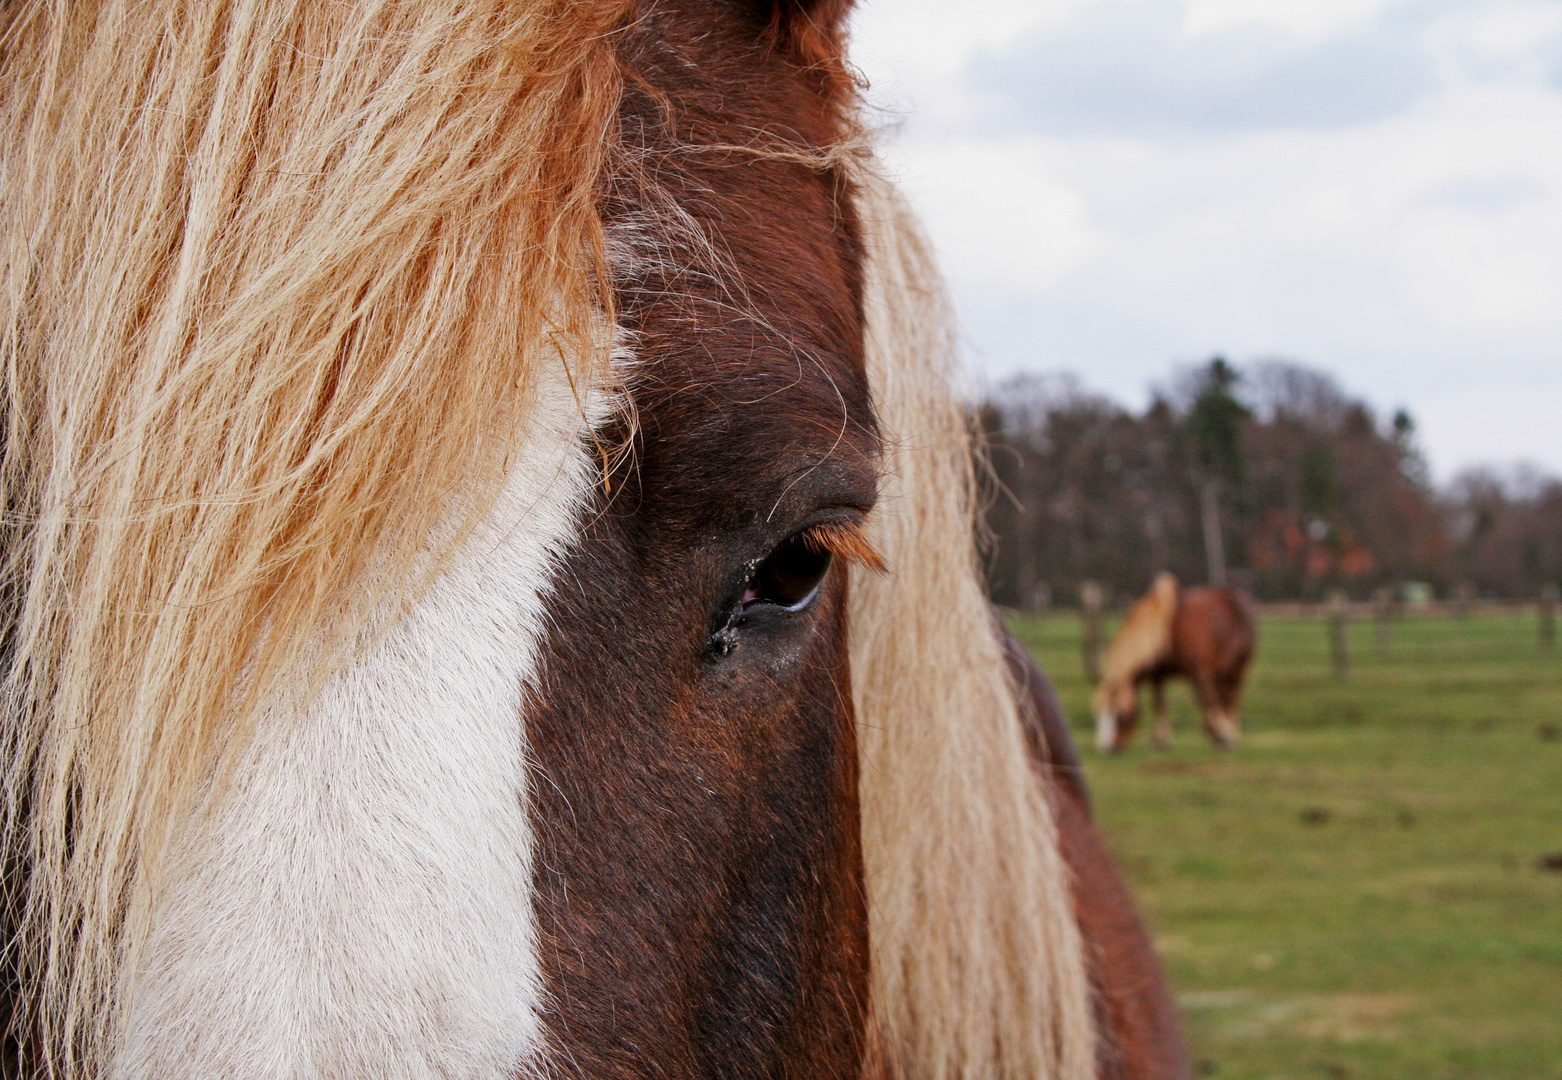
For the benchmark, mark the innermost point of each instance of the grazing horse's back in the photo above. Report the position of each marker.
(1213, 631)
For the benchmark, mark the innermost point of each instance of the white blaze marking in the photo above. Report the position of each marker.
(360, 905)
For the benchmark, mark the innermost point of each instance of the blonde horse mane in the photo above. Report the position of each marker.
(278, 280)
(1144, 640)
(977, 961)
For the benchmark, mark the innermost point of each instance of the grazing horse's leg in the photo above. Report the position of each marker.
(1128, 719)
(1163, 728)
(1230, 687)
(1221, 727)
(1139, 1037)
(1233, 667)
(1213, 642)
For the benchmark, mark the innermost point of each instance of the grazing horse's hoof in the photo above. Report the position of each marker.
(1224, 732)
(1108, 739)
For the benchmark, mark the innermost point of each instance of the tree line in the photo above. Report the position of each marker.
(1269, 474)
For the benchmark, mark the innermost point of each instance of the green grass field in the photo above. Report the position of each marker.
(1357, 890)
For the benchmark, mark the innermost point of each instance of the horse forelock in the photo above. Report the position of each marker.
(289, 292)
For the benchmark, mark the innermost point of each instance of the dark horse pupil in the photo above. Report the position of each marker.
(790, 574)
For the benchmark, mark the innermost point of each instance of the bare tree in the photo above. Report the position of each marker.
(1270, 475)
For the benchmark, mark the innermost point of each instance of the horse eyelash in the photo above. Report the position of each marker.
(845, 541)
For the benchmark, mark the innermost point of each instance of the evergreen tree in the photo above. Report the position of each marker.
(1214, 423)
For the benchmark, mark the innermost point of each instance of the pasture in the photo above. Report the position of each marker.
(1360, 890)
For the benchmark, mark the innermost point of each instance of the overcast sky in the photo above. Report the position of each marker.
(1371, 187)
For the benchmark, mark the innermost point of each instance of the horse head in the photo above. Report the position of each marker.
(489, 563)
(1116, 706)
(1141, 646)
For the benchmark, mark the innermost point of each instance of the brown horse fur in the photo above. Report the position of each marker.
(1136, 1022)
(698, 883)
(296, 300)
(1205, 635)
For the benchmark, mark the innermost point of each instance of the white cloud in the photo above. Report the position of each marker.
(894, 39)
(1413, 247)
(1132, 68)
(1510, 423)
(998, 212)
(1504, 42)
(1311, 19)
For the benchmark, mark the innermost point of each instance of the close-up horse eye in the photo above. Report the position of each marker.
(790, 575)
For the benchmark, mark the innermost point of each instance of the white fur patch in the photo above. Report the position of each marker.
(359, 907)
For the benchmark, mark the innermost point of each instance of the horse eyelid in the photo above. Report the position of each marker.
(846, 541)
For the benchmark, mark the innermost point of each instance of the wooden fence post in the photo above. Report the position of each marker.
(1339, 646)
(1386, 608)
(1092, 597)
(1548, 616)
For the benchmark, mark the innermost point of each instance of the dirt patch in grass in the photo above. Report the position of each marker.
(1354, 1017)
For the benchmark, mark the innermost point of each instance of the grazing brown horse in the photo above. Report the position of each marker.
(489, 587)
(1205, 635)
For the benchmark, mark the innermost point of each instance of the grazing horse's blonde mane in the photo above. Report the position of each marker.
(977, 961)
(1144, 640)
(277, 280)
